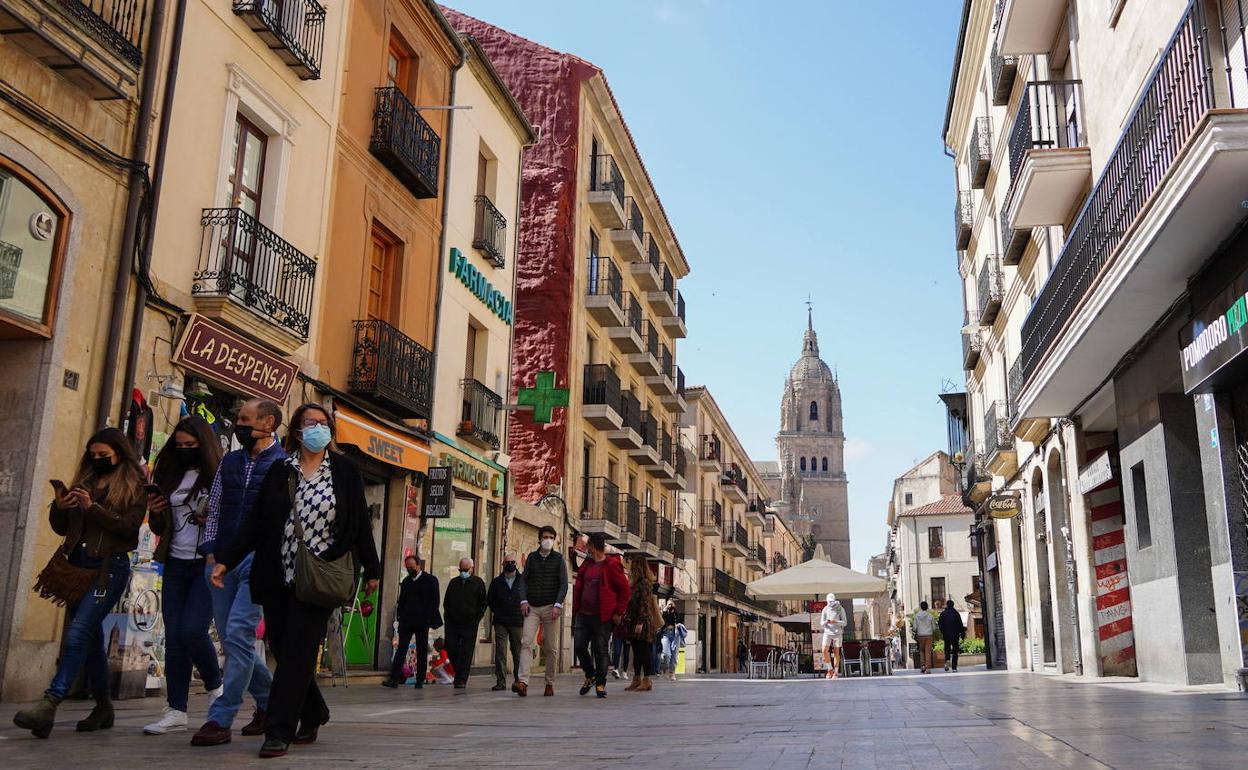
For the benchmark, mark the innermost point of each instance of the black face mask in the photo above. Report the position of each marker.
(509, 567)
(102, 466)
(246, 436)
(412, 572)
(188, 456)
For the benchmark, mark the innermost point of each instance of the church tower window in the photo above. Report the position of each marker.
(814, 410)
(825, 465)
(803, 465)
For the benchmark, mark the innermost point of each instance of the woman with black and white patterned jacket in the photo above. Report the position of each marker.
(330, 505)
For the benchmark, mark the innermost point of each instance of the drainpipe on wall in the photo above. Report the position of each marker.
(158, 178)
(130, 229)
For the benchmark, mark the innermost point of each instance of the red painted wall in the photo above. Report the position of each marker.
(547, 84)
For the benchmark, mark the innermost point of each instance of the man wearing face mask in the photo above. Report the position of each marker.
(541, 603)
(417, 612)
(233, 493)
(463, 607)
(504, 600)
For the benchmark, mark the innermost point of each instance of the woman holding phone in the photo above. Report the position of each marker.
(176, 501)
(99, 516)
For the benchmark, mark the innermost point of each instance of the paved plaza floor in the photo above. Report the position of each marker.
(973, 719)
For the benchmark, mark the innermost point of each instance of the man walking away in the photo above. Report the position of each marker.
(924, 627)
(230, 499)
(463, 608)
(504, 600)
(417, 613)
(542, 592)
(952, 630)
(599, 599)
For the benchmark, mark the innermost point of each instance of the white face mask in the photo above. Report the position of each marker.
(548, 543)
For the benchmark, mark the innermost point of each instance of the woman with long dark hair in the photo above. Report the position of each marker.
(643, 621)
(313, 500)
(183, 472)
(99, 514)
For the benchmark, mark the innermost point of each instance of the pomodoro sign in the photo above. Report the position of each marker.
(218, 353)
(1215, 336)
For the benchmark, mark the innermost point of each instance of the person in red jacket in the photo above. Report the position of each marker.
(599, 599)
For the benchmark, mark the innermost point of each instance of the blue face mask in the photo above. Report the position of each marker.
(316, 438)
(465, 574)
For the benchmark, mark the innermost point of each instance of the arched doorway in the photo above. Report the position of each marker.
(1045, 652)
(1063, 565)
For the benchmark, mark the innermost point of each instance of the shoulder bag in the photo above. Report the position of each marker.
(319, 581)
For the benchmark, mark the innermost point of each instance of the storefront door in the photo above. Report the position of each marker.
(360, 626)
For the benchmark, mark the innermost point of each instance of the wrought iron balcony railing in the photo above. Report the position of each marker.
(650, 336)
(680, 305)
(679, 460)
(1184, 84)
(1014, 385)
(711, 514)
(980, 152)
(605, 176)
(972, 347)
(665, 535)
(712, 449)
(649, 429)
(963, 219)
(735, 532)
(118, 24)
(990, 291)
(1004, 70)
(490, 232)
(602, 386)
(635, 222)
(294, 29)
(665, 445)
(10, 263)
(601, 501)
(680, 381)
(678, 542)
(604, 279)
(650, 519)
(653, 255)
(1049, 117)
(1013, 242)
(479, 420)
(392, 368)
(405, 143)
(630, 513)
(711, 580)
(630, 411)
(246, 262)
(633, 314)
(734, 476)
(996, 429)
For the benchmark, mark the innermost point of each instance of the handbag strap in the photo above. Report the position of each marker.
(292, 487)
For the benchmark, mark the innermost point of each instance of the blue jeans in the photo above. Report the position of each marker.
(236, 617)
(668, 639)
(619, 652)
(84, 640)
(186, 607)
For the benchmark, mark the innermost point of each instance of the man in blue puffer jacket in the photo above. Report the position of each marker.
(233, 493)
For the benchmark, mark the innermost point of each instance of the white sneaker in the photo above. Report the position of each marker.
(214, 694)
(172, 721)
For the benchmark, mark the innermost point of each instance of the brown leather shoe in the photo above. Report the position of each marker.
(550, 690)
(633, 685)
(522, 689)
(211, 734)
(257, 723)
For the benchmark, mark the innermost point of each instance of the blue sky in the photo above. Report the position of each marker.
(796, 147)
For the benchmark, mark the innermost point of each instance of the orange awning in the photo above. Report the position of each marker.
(379, 442)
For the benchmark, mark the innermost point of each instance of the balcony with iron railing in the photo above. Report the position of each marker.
(710, 518)
(661, 381)
(95, 44)
(650, 530)
(490, 232)
(678, 544)
(1028, 26)
(628, 435)
(600, 510)
(405, 143)
(601, 397)
(604, 291)
(675, 322)
(646, 361)
(627, 334)
(10, 264)
(990, 291)
(779, 562)
(628, 239)
(756, 511)
(1050, 163)
(293, 29)
(480, 416)
(972, 347)
(1013, 241)
(244, 266)
(1004, 72)
(606, 190)
(710, 453)
(675, 401)
(666, 548)
(663, 300)
(1025, 429)
(647, 455)
(999, 453)
(736, 539)
(725, 586)
(1154, 216)
(391, 369)
(979, 154)
(629, 512)
(756, 556)
(963, 219)
(734, 484)
(648, 272)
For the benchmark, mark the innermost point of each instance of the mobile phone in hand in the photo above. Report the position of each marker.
(152, 489)
(59, 486)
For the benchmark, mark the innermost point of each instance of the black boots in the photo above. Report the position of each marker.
(100, 718)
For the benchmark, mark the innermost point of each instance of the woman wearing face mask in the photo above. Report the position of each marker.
(333, 520)
(99, 516)
(183, 473)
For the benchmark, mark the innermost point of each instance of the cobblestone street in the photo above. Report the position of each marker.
(974, 719)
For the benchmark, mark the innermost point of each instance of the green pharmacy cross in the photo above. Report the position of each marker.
(544, 397)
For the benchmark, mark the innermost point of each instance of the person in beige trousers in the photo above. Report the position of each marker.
(541, 603)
